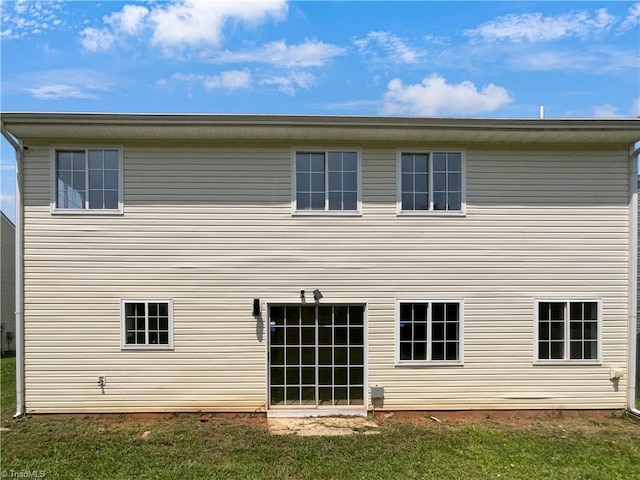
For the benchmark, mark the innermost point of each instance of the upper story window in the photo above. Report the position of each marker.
(327, 181)
(431, 181)
(87, 179)
(568, 331)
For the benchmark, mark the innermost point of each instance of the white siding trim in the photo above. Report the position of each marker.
(86, 211)
(632, 349)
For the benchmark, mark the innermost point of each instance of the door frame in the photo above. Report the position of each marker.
(316, 410)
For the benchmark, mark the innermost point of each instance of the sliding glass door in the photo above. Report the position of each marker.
(316, 355)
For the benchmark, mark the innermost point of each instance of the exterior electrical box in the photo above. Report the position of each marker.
(377, 393)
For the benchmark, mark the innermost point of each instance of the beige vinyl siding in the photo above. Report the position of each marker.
(210, 227)
(7, 281)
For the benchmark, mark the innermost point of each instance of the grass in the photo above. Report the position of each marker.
(192, 446)
(7, 387)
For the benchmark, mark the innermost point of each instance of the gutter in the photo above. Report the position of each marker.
(632, 379)
(300, 129)
(19, 148)
(244, 119)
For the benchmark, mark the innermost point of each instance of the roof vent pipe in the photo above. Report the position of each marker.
(541, 112)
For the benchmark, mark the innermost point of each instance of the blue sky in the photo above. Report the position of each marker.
(470, 59)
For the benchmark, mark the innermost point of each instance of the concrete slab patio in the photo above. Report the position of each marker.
(322, 426)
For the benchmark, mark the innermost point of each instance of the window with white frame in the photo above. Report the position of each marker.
(147, 323)
(568, 330)
(327, 180)
(429, 331)
(87, 179)
(431, 182)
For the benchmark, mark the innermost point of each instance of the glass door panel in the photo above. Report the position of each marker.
(316, 355)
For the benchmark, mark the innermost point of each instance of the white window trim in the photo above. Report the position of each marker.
(86, 211)
(430, 363)
(567, 360)
(123, 329)
(325, 150)
(432, 213)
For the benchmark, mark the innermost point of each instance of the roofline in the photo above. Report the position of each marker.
(4, 217)
(68, 126)
(296, 119)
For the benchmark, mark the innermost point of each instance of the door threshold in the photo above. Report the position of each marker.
(313, 412)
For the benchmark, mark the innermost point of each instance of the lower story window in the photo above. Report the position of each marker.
(147, 324)
(430, 331)
(568, 330)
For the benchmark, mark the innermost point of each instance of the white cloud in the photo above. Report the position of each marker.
(369, 106)
(65, 83)
(130, 20)
(20, 6)
(599, 59)
(310, 53)
(232, 80)
(434, 96)
(534, 27)
(180, 24)
(229, 80)
(291, 83)
(606, 111)
(609, 111)
(437, 40)
(200, 22)
(394, 47)
(96, 40)
(242, 79)
(635, 108)
(632, 19)
(56, 91)
(30, 17)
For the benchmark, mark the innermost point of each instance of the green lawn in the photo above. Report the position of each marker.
(191, 446)
(7, 387)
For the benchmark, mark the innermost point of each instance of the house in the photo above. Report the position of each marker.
(7, 283)
(324, 264)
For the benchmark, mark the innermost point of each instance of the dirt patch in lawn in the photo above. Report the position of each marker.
(322, 426)
(585, 421)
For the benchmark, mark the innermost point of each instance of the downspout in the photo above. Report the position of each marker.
(633, 279)
(18, 147)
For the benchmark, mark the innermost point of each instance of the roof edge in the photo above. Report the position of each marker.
(298, 119)
(28, 126)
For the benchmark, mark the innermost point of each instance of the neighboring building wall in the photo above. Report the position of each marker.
(211, 228)
(8, 277)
